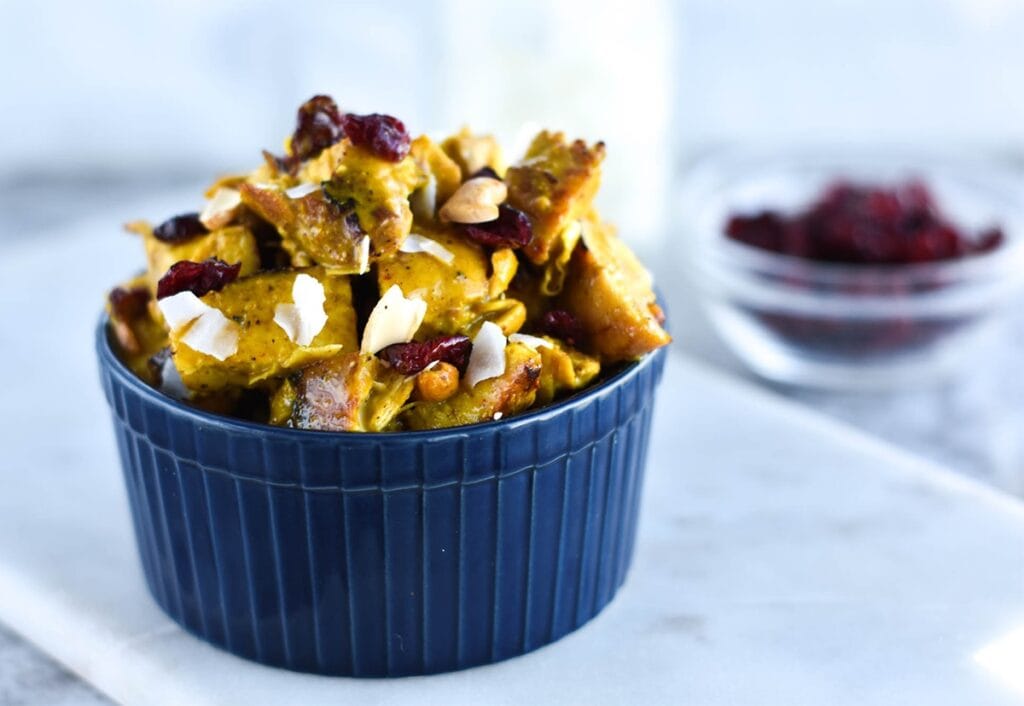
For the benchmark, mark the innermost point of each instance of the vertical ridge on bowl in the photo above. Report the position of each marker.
(384, 554)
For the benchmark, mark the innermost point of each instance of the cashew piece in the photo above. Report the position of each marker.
(476, 201)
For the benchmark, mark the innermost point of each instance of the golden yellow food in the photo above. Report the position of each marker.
(365, 281)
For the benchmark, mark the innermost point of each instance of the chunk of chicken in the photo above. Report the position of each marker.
(459, 295)
(264, 349)
(506, 394)
(610, 292)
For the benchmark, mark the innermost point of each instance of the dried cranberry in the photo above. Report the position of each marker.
(989, 240)
(382, 135)
(128, 304)
(561, 324)
(511, 229)
(410, 358)
(197, 277)
(180, 228)
(861, 224)
(318, 125)
(485, 172)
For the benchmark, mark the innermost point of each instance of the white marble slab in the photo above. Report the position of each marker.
(782, 558)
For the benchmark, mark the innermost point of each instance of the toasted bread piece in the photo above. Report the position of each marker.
(231, 244)
(554, 185)
(507, 394)
(443, 177)
(361, 195)
(610, 292)
(349, 392)
(563, 369)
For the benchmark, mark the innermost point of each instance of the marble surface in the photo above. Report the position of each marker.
(779, 553)
(971, 421)
(30, 678)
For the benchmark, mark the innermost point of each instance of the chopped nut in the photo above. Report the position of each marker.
(126, 337)
(476, 201)
(438, 382)
(221, 208)
(474, 152)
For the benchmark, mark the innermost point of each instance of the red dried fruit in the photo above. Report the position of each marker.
(180, 228)
(561, 324)
(198, 277)
(860, 224)
(128, 304)
(511, 229)
(863, 225)
(410, 358)
(318, 125)
(382, 135)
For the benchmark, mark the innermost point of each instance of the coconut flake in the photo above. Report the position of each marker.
(414, 243)
(487, 359)
(533, 342)
(213, 334)
(424, 201)
(297, 192)
(171, 383)
(221, 208)
(395, 319)
(364, 255)
(305, 318)
(181, 309)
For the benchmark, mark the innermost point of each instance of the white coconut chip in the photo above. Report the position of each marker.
(213, 334)
(181, 309)
(414, 242)
(395, 319)
(424, 200)
(526, 339)
(305, 317)
(487, 359)
(220, 208)
(171, 383)
(297, 192)
(364, 255)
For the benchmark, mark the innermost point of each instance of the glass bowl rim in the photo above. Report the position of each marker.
(711, 252)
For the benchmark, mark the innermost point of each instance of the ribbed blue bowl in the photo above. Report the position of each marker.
(379, 555)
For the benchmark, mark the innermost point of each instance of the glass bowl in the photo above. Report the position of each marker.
(797, 321)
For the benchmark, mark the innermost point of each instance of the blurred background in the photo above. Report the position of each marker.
(114, 110)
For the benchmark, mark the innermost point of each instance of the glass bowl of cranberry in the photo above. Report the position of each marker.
(855, 271)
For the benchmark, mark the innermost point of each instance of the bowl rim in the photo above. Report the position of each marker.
(110, 361)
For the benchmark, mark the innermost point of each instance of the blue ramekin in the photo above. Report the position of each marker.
(378, 555)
